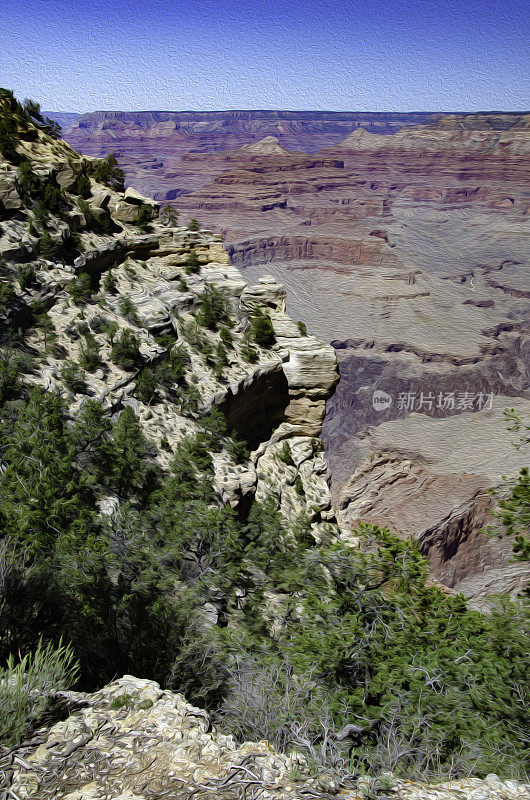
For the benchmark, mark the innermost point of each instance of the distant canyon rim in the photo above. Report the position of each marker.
(403, 239)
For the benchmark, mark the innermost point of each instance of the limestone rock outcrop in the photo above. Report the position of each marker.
(134, 741)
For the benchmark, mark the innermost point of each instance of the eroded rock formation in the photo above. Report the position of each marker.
(409, 253)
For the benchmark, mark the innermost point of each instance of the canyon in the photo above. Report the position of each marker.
(407, 249)
(167, 506)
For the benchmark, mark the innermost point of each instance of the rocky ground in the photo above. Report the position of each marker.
(133, 741)
(410, 254)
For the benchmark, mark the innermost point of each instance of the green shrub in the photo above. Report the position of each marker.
(261, 329)
(143, 217)
(14, 362)
(166, 340)
(226, 336)
(146, 385)
(212, 309)
(178, 361)
(100, 222)
(238, 451)
(192, 263)
(82, 186)
(7, 294)
(249, 353)
(298, 485)
(81, 289)
(73, 377)
(122, 701)
(221, 360)
(302, 327)
(513, 511)
(110, 282)
(97, 323)
(129, 310)
(107, 171)
(26, 276)
(47, 247)
(26, 688)
(285, 455)
(125, 351)
(193, 225)
(89, 357)
(169, 216)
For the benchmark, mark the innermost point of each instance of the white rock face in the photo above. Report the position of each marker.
(134, 741)
(9, 196)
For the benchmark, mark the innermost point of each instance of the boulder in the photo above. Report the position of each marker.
(9, 197)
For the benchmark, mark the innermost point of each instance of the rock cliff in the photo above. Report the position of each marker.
(150, 322)
(151, 282)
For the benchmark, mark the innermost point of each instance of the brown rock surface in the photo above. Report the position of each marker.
(150, 144)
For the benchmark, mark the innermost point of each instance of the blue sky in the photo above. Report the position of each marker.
(373, 55)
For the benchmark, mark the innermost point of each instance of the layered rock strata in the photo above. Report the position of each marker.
(410, 254)
(279, 394)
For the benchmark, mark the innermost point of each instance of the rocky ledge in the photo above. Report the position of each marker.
(133, 741)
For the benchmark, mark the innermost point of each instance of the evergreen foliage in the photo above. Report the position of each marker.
(261, 329)
(249, 353)
(192, 263)
(169, 216)
(107, 171)
(302, 327)
(435, 687)
(226, 336)
(110, 282)
(26, 276)
(73, 377)
(47, 247)
(143, 217)
(82, 186)
(81, 289)
(89, 357)
(129, 310)
(7, 294)
(514, 496)
(125, 351)
(212, 310)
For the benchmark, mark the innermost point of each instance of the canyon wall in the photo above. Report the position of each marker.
(409, 252)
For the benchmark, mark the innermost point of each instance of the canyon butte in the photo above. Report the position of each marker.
(403, 241)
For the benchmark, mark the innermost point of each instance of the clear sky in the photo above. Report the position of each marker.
(372, 55)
